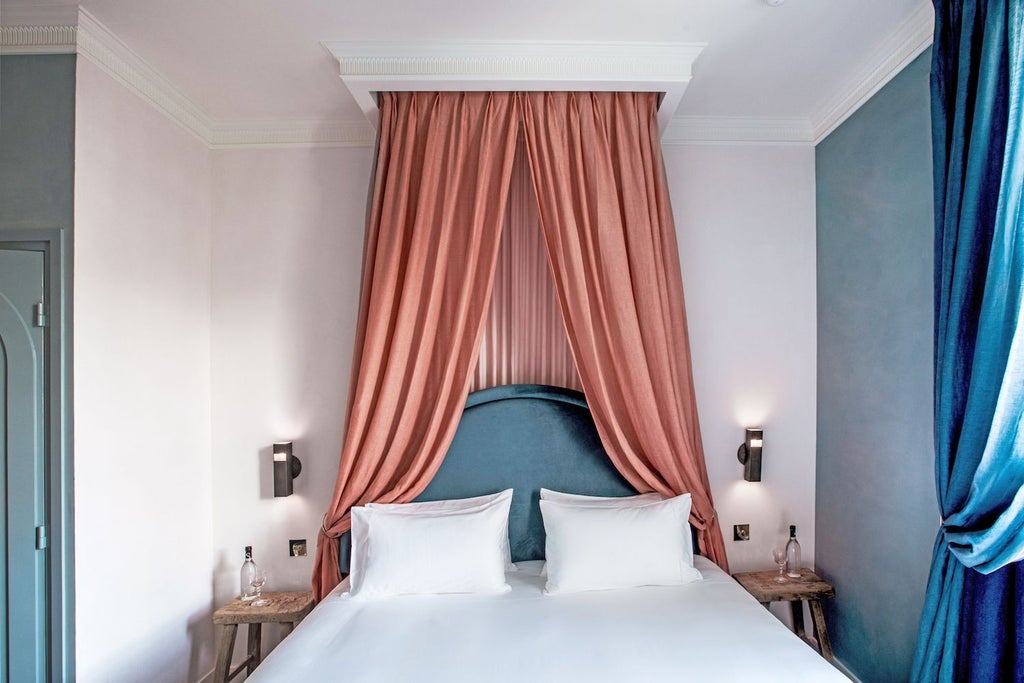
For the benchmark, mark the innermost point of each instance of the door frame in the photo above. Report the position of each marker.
(56, 249)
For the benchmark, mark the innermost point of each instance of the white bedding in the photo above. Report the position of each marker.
(710, 630)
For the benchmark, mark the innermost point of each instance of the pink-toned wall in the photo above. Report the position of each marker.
(143, 475)
(287, 245)
(745, 218)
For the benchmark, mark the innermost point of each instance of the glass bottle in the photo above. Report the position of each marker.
(793, 554)
(247, 574)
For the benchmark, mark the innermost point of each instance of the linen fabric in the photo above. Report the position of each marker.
(444, 551)
(524, 337)
(656, 633)
(972, 625)
(440, 186)
(452, 504)
(604, 207)
(441, 182)
(582, 499)
(601, 547)
(623, 501)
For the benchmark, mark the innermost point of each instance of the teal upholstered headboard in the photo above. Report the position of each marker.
(524, 437)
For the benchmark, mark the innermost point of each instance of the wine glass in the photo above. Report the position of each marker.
(779, 555)
(258, 579)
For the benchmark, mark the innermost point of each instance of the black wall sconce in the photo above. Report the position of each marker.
(286, 468)
(749, 454)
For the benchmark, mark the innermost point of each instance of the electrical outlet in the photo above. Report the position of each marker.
(297, 547)
(741, 532)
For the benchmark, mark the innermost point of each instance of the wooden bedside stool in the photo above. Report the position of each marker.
(809, 587)
(286, 609)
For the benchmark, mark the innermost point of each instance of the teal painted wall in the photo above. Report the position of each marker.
(37, 141)
(37, 170)
(876, 513)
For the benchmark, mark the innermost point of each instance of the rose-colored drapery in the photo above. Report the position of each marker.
(607, 220)
(441, 182)
(524, 336)
(443, 169)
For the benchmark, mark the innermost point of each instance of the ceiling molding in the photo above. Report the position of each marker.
(899, 48)
(690, 130)
(97, 43)
(240, 134)
(18, 40)
(367, 68)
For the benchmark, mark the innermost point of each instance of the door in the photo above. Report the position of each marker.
(23, 448)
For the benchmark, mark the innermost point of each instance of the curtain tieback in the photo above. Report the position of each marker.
(323, 528)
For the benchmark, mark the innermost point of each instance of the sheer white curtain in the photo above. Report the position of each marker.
(524, 338)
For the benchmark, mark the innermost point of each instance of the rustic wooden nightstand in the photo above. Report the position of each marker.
(809, 587)
(286, 609)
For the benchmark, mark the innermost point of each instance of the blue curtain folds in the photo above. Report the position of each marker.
(971, 628)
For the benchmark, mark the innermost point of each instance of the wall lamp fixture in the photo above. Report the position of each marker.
(749, 454)
(286, 468)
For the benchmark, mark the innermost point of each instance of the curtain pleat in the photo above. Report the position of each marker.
(441, 182)
(524, 336)
(608, 225)
(971, 626)
(606, 247)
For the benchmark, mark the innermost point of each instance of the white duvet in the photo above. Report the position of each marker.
(710, 630)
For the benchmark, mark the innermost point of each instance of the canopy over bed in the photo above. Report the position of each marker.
(441, 185)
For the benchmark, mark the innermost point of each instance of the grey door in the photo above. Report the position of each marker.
(23, 466)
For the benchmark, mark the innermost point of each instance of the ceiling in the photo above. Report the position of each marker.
(263, 61)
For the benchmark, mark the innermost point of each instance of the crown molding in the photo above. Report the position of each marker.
(894, 53)
(367, 68)
(42, 39)
(296, 133)
(697, 130)
(104, 49)
(34, 29)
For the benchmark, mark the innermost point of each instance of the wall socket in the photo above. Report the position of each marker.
(297, 547)
(741, 532)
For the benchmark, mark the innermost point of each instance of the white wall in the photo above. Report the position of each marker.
(143, 529)
(746, 224)
(287, 259)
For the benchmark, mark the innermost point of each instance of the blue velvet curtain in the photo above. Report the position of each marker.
(972, 627)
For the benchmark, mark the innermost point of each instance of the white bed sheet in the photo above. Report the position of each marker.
(711, 630)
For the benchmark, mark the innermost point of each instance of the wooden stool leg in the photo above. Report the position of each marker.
(797, 608)
(818, 619)
(286, 628)
(224, 649)
(255, 640)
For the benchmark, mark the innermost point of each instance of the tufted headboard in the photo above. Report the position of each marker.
(524, 437)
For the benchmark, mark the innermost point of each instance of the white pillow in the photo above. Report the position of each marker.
(612, 501)
(598, 548)
(580, 499)
(451, 504)
(449, 551)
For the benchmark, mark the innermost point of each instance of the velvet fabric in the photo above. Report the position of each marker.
(441, 183)
(977, 85)
(607, 221)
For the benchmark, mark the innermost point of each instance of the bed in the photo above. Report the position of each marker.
(525, 437)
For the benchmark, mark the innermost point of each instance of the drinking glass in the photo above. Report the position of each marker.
(779, 555)
(258, 579)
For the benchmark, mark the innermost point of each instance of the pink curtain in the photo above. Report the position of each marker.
(524, 336)
(607, 220)
(443, 167)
